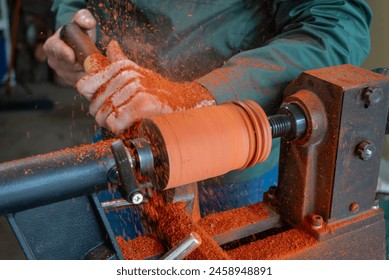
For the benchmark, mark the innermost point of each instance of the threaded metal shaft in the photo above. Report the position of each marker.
(280, 125)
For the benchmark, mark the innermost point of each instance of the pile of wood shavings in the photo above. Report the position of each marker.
(174, 224)
(280, 246)
(140, 248)
(236, 218)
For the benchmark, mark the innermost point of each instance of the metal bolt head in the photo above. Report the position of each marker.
(317, 221)
(354, 207)
(372, 96)
(113, 175)
(376, 205)
(136, 198)
(365, 150)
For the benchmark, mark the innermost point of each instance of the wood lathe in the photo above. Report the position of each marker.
(332, 124)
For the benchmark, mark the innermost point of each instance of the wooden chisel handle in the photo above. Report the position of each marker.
(88, 55)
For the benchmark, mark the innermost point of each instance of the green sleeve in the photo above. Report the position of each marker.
(310, 34)
(65, 9)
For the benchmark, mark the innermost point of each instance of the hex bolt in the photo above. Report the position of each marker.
(372, 96)
(317, 221)
(365, 150)
(354, 207)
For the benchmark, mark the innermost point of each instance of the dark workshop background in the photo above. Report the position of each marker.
(39, 115)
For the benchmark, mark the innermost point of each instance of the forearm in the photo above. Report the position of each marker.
(311, 34)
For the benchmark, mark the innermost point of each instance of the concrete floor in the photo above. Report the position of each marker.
(30, 132)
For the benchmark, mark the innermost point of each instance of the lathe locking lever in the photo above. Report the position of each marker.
(128, 185)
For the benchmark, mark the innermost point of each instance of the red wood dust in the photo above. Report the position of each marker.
(173, 224)
(280, 246)
(225, 221)
(140, 248)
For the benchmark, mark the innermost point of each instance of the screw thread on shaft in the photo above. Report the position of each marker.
(280, 125)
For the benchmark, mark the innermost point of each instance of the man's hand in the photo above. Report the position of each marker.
(124, 93)
(61, 57)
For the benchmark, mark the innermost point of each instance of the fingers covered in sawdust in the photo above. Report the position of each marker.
(91, 83)
(117, 96)
(142, 105)
(124, 93)
(112, 87)
(114, 101)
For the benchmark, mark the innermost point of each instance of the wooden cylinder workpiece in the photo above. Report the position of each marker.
(203, 143)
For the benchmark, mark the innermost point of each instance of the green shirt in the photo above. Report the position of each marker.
(236, 49)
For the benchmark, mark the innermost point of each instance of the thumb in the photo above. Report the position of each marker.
(85, 19)
(115, 52)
